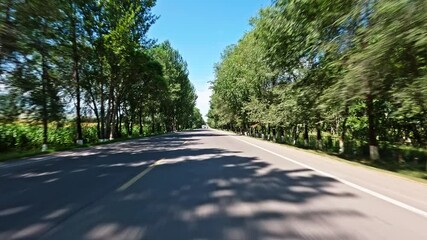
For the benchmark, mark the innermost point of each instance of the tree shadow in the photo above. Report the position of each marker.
(39, 195)
(211, 194)
(197, 193)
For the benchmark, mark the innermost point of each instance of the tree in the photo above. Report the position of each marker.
(96, 55)
(354, 70)
(181, 97)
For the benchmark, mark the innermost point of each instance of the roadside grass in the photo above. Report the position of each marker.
(386, 165)
(22, 154)
(25, 153)
(412, 171)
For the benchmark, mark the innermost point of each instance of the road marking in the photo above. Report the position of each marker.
(137, 177)
(141, 174)
(350, 184)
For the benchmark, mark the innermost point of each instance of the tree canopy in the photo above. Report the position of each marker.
(351, 69)
(91, 60)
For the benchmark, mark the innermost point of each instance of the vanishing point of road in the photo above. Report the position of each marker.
(204, 184)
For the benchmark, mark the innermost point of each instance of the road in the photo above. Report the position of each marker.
(204, 184)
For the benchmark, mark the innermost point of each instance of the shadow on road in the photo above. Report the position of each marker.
(204, 193)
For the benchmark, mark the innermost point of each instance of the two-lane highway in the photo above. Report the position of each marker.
(205, 184)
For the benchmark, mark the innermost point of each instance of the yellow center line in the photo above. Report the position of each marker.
(140, 175)
(137, 177)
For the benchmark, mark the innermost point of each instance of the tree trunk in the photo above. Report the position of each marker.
(343, 132)
(174, 123)
(131, 128)
(98, 120)
(306, 134)
(110, 113)
(76, 79)
(159, 127)
(295, 134)
(118, 126)
(373, 144)
(372, 138)
(119, 123)
(416, 134)
(319, 137)
(141, 130)
(280, 134)
(98, 128)
(96, 112)
(44, 104)
(274, 135)
(103, 130)
(262, 131)
(116, 119)
(152, 124)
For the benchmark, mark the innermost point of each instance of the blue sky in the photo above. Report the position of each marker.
(200, 30)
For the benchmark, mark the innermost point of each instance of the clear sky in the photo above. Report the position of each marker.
(200, 30)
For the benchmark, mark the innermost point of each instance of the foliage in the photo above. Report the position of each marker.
(88, 60)
(354, 71)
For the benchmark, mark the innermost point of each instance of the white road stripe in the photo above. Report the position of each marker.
(353, 185)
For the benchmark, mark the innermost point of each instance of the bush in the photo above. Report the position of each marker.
(20, 136)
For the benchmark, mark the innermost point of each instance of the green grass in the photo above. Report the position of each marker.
(21, 154)
(16, 155)
(385, 165)
(413, 171)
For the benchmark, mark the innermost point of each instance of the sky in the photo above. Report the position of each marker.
(200, 30)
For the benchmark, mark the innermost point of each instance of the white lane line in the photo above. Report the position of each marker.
(353, 185)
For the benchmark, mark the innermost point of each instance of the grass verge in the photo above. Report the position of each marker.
(389, 166)
(17, 155)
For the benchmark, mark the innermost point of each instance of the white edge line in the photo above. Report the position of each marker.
(350, 184)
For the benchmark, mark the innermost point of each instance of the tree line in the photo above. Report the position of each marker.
(91, 59)
(351, 69)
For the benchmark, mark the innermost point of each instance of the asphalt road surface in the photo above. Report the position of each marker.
(204, 184)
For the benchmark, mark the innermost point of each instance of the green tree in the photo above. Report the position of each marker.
(354, 70)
